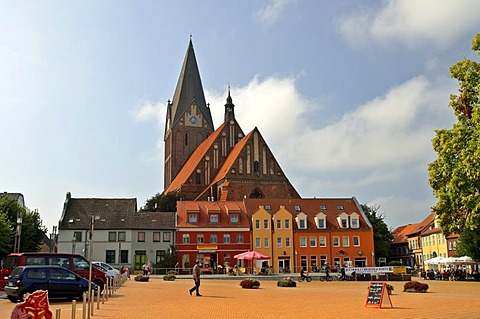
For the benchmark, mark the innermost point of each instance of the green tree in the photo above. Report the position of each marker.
(33, 230)
(162, 203)
(455, 174)
(381, 235)
(469, 244)
(6, 234)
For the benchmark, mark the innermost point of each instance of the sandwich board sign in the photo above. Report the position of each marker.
(376, 291)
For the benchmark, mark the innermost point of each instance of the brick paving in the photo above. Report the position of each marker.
(224, 298)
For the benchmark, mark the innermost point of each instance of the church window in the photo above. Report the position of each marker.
(248, 159)
(256, 168)
(240, 165)
(198, 177)
(224, 144)
(186, 138)
(232, 135)
(264, 160)
(271, 167)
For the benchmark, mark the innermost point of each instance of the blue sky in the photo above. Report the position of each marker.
(348, 94)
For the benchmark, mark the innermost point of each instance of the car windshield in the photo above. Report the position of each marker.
(10, 262)
(16, 272)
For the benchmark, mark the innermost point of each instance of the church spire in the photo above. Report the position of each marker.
(189, 88)
(229, 107)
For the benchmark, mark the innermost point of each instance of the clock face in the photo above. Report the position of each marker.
(193, 120)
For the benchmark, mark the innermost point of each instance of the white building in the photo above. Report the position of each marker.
(122, 236)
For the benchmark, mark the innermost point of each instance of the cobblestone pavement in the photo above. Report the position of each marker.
(226, 299)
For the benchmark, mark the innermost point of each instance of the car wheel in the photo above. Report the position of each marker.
(12, 299)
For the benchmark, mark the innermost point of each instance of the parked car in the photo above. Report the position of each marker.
(58, 281)
(108, 272)
(73, 262)
(107, 266)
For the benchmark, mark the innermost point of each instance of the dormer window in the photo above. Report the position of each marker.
(192, 218)
(340, 207)
(323, 207)
(296, 208)
(354, 220)
(320, 221)
(342, 220)
(301, 221)
(214, 218)
(268, 207)
(233, 218)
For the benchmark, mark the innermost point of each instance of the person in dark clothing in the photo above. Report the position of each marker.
(196, 279)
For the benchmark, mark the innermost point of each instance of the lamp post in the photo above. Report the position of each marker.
(18, 233)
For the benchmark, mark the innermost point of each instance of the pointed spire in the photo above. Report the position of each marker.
(189, 88)
(229, 107)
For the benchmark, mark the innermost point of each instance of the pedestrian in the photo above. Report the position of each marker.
(196, 279)
(145, 269)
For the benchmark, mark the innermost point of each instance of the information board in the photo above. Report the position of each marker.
(376, 291)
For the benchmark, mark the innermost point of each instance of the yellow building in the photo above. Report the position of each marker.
(283, 252)
(434, 244)
(262, 232)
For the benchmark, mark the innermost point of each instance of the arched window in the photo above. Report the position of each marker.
(186, 138)
(256, 168)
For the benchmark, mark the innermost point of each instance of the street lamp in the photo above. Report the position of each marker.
(18, 233)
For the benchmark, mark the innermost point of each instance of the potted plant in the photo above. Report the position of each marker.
(286, 282)
(141, 278)
(415, 286)
(250, 283)
(170, 276)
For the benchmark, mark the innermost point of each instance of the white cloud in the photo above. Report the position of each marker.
(413, 22)
(148, 111)
(269, 13)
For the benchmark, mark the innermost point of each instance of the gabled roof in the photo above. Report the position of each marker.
(400, 233)
(193, 161)
(423, 225)
(205, 208)
(189, 88)
(112, 213)
(311, 207)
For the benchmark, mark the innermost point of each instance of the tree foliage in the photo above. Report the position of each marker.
(381, 234)
(33, 231)
(162, 203)
(455, 174)
(6, 234)
(469, 243)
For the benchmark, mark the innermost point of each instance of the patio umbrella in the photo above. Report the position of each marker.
(436, 261)
(464, 260)
(251, 255)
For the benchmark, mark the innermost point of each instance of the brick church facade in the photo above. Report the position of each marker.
(203, 163)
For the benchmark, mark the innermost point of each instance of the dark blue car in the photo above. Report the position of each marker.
(58, 281)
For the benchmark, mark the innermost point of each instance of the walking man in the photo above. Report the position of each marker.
(196, 279)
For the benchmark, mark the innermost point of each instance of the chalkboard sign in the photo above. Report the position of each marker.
(376, 291)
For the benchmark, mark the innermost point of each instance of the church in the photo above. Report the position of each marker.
(223, 164)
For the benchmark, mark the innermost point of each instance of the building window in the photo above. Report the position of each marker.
(279, 242)
(266, 242)
(192, 218)
(226, 238)
(239, 238)
(186, 138)
(279, 224)
(323, 260)
(303, 241)
(186, 238)
(214, 218)
(166, 237)
(303, 262)
(323, 207)
(122, 236)
(340, 207)
(77, 236)
(257, 242)
(287, 223)
(336, 241)
(321, 223)
(354, 222)
(313, 262)
(268, 207)
(356, 241)
(200, 238)
(344, 223)
(322, 241)
(124, 256)
(296, 208)
(345, 241)
(159, 255)
(110, 256)
(234, 218)
(156, 236)
(141, 236)
(257, 223)
(265, 224)
(313, 241)
(112, 236)
(303, 224)
(213, 238)
(287, 241)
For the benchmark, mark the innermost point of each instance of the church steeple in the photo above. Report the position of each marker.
(229, 108)
(189, 88)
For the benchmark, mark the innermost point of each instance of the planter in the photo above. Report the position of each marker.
(415, 286)
(142, 278)
(250, 284)
(413, 290)
(286, 283)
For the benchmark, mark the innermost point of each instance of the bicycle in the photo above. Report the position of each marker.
(326, 278)
(305, 277)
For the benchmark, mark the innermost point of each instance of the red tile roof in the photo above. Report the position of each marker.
(400, 233)
(204, 208)
(423, 225)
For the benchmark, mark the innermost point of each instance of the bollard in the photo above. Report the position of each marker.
(84, 309)
(58, 313)
(74, 308)
(91, 302)
(103, 296)
(98, 299)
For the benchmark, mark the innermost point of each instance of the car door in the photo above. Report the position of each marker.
(36, 278)
(62, 283)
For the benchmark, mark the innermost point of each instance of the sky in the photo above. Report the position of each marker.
(347, 94)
